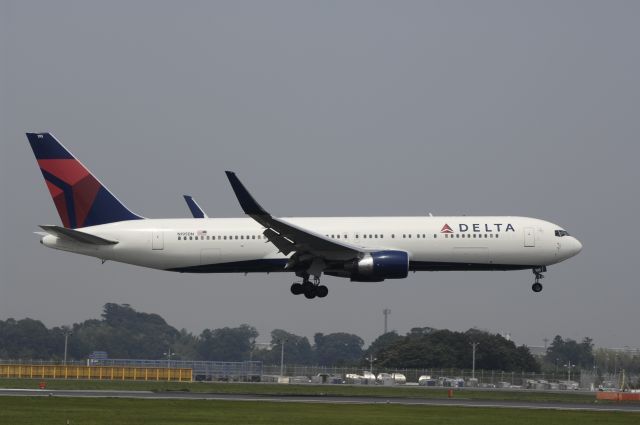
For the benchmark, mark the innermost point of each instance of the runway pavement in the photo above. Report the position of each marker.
(459, 402)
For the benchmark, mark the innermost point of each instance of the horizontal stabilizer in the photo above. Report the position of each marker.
(76, 235)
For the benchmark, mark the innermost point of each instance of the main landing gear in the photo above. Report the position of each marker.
(537, 271)
(310, 290)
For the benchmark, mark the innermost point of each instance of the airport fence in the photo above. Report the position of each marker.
(251, 371)
(490, 378)
(113, 373)
(200, 370)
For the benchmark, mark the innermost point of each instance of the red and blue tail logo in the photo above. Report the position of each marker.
(80, 198)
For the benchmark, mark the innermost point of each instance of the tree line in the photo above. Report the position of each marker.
(124, 332)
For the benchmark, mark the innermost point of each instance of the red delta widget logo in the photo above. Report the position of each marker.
(477, 227)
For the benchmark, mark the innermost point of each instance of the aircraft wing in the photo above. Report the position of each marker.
(289, 236)
(76, 235)
(196, 210)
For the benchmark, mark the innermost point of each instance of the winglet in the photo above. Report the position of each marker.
(248, 204)
(196, 211)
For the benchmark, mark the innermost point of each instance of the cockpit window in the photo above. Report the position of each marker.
(561, 233)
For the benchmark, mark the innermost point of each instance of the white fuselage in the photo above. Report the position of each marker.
(211, 245)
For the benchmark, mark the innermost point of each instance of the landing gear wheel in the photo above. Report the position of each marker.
(309, 290)
(322, 291)
(537, 272)
(296, 289)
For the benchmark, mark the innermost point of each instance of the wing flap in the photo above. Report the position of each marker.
(76, 235)
(283, 244)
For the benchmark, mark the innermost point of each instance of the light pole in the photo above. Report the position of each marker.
(569, 366)
(371, 360)
(473, 368)
(169, 354)
(67, 332)
(282, 341)
(253, 347)
(386, 313)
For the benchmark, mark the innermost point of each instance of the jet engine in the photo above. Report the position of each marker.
(380, 265)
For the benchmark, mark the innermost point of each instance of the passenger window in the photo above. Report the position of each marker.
(457, 235)
(409, 235)
(179, 238)
(435, 236)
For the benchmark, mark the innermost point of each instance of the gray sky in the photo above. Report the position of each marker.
(331, 109)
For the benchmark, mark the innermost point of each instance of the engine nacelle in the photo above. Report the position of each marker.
(381, 265)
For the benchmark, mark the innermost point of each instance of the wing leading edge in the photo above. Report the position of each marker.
(288, 237)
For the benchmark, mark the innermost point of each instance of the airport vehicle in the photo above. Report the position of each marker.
(362, 249)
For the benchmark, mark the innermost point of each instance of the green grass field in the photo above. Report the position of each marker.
(96, 411)
(310, 390)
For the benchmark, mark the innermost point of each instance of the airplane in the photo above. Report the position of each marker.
(362, 249)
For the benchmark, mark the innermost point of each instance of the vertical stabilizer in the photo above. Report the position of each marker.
(80, 198)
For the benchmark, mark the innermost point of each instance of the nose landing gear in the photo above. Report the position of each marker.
(537, 271)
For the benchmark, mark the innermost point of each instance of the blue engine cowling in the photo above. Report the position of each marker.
(381, 265)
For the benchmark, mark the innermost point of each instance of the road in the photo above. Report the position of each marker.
(458, 402)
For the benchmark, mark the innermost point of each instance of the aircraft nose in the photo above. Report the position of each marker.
(576, 247)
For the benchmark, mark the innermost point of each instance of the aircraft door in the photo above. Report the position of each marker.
(529, 237)
(157, 240)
